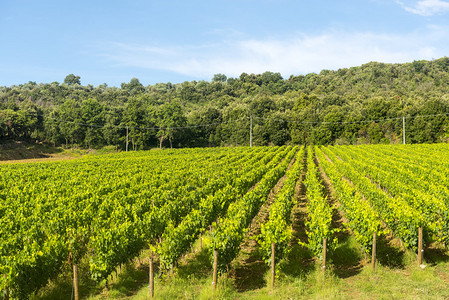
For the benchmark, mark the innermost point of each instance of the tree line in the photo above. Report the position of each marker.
(356, 105)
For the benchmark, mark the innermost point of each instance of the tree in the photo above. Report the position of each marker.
(205, 121)
(219, 78)
(262, 106)
(71, 125)
(33, 119)
(92, 113)
(14, 123)
(72, 79)
(133, 118)
(277, 129)
(133, 87)
(170, 115)
(52, 130)
(328, 107)
(111, 132)
(333, 121)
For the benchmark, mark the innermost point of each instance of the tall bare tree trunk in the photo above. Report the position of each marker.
(160, 142)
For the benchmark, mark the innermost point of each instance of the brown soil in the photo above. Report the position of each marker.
(22, 152)
(390, 250)
(300, 260)
(32, 160)
(338, 218)
(299, 211)
(248, 269)
(343, 267)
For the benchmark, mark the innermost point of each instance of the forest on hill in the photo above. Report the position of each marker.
(356, 105)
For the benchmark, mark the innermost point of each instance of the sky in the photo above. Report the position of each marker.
(178, 40)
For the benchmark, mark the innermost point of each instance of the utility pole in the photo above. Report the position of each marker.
(251, 131)
(403, 130)
(126, 138)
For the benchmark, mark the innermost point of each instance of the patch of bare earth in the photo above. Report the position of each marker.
(350, 265)
(22, 152)
(248, 269)
(51, 157)
(300, 260)
(299, 211)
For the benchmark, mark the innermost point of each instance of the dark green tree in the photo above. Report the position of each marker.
(71, 124)
(170, 116)
(92, 113)
(71, 79)
(134, 119)
(133, 87)
(219, 78)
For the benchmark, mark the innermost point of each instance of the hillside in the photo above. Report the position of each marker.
(12, 150)
(354, 105)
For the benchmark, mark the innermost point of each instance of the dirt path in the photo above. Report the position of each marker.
(249, 269)
(22, 152)
(347, 262)
(299, 211)
(53, 157)
(300, 260)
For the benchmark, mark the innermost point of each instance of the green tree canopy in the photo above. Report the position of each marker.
(72, 79)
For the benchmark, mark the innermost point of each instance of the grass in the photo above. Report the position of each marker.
(24, 152)
(298, 276)
(13, 150)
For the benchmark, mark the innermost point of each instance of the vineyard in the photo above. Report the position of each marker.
(110, 210)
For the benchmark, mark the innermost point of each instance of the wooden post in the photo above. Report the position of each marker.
(214, 276)
(324, 258)
(403, 130)
(373, 257)
(75, 281)
(6, 289)
(251, 131)
(273, 272)
(420, 248)
(126, 138)
(151, 279)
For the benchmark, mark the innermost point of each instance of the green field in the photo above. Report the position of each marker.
(106, 215)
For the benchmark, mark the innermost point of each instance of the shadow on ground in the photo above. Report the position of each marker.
(388, 254)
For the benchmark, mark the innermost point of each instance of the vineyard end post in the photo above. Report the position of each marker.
(373, 257)
(324, 259)
(420, 246)
(214, 276)
(151, 278)
(273, 272)
(75, 281)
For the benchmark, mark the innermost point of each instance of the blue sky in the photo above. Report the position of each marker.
(175, 41)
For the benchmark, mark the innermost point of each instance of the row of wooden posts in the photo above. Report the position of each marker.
(273, 271)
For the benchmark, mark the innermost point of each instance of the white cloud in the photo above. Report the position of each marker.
(298, 54)
(427, 7)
